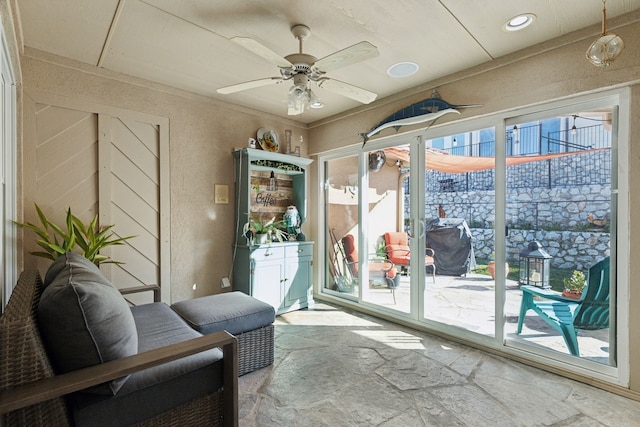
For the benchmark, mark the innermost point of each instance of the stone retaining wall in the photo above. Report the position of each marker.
(569, 249)
(558, 218)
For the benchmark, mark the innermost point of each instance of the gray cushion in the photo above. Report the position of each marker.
(234, 312)
(153, 391)
(83, 319)
(159, 326)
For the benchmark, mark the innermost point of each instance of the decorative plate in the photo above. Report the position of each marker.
(268, 140)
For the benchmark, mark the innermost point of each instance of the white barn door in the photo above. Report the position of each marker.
(114, 164)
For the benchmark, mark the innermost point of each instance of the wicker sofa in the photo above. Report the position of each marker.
(177, 377)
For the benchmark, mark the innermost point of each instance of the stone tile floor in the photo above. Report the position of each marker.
(334, 367)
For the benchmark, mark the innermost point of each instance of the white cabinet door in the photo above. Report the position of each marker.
(267, 282)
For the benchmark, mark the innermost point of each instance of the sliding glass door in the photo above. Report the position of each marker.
(388, 260)
(561, 212)
(478, 229)
(361, 262)
(460, 216)
(342, 198)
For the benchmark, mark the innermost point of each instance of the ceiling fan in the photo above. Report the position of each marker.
(303, 69)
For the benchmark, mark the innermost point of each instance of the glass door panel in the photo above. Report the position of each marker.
(387, 254)
(460, 214)
(341, 217)
(561, 218)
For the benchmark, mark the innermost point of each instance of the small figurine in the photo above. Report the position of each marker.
(292, 221)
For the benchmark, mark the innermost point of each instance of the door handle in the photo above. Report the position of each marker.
(422, 227)
(410, 230)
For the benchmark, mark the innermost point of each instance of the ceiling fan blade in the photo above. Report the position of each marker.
(261, 50)
(350, 55)
(250, 85)
(345, 89)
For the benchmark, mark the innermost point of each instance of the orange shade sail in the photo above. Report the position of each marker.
(442, 161)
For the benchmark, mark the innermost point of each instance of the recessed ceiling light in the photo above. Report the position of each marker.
(403, 69)
(519, 22)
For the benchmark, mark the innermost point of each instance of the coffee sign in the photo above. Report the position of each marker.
(271, 193)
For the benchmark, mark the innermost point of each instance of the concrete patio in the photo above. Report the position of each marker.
(468, 302)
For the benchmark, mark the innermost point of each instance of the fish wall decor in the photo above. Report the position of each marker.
(421, 112)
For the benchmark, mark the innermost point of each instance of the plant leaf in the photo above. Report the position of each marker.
(89, 237)
(43, 218)
(58, 249)
(79, 225)
(39, 231)
(43, 255)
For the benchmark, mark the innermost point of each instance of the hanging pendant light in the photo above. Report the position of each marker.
(607, 47)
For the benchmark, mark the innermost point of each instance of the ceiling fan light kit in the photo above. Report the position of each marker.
(304, 69)
(606, 48)
(314, 101)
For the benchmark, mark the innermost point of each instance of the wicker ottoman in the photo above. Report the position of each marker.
(248, 319)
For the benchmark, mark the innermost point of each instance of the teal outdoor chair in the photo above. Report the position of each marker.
(591, 312)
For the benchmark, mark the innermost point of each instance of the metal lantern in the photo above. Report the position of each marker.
(535, 265)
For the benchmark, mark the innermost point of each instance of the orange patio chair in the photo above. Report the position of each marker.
(399, 253)
(377, 267)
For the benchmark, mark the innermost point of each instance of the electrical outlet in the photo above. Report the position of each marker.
(224, 282)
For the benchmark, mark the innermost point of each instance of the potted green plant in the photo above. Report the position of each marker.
(90, 238)
(264, 230)
(381, 249)
(574, 285)
(491, 267)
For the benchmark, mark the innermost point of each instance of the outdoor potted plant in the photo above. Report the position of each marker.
(264, 231)
(381, 249)
(90, 238)
(574, 285)
(492, 267)
(394, 276)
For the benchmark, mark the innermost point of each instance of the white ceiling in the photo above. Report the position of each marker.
(185, 43)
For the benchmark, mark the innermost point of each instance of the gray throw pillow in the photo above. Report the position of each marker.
(83, 319)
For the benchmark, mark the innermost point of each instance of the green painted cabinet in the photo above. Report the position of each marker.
(278, 273)
(298, 275)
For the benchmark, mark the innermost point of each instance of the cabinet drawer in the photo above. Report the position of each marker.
(267, 253)
(299, 251)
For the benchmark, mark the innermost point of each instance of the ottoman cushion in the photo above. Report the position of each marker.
(234, 312)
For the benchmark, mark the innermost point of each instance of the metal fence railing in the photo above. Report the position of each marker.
(580, 169)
